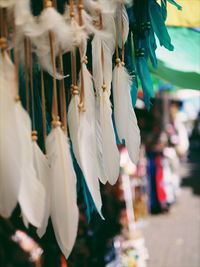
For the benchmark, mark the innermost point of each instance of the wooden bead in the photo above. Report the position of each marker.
(80, 6)
(117, 60)
(55, 123)
(75, 92)
(34, 132)
(72, 14)
(104, 86)
(122, 63)
(17, 98)
(48, 3)
(34, 138)
(80, 105)
(3, 43)
(75, 87)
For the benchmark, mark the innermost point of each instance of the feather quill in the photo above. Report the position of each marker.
(64, 210)
(125, 119)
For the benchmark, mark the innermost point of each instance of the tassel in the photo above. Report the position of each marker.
(63, 210)
(125, 119)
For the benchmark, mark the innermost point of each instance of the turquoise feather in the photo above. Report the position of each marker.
(158, 25)
(175, 4)
(145, 78)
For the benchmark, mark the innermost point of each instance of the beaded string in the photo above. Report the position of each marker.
(55, 121)
(62, 94)
(26, 63)
(43, 110)
(118, 60)
(74, 87)
(83, 59)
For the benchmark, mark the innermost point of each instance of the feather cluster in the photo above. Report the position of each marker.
(44, 185)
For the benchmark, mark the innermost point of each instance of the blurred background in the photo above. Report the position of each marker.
(153, 213)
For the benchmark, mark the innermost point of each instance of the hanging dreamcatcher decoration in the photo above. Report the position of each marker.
(60, 72)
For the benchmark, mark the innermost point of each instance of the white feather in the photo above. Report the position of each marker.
(18, 181)
(32, 193)
(109, 148)
(87, 142)
(10, 147)
(43, 174)
(102, 73)
(82, 133)
(122, 24)
(73, 122)
(125, 119)
(64, 210)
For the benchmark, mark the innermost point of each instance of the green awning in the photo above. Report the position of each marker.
(182, 66)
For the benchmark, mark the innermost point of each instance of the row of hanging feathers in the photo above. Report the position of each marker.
(45, 186)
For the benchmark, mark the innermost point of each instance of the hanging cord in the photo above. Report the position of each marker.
(118, 60)
(16, 62)
(31, 84)
(55, 100)
(123, 48)
(83, 59)
(74, 88)
(26, 65)
(104, 86)
(55, 121)
(62, 94)
(3, 31)
(43, 110)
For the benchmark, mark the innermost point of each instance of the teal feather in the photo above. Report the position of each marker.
(145, 78)
(175, 4)
(134, 92)
(151, 47)
(158, 25)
